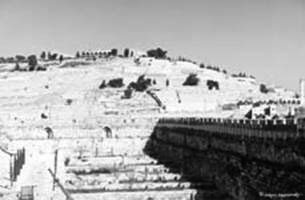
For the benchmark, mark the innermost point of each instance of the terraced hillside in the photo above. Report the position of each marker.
(93, 139)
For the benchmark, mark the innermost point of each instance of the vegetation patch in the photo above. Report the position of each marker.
(191, 80)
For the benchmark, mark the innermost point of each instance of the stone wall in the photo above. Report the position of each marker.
(245, 158)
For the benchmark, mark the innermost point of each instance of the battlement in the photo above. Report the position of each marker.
(285, 128)
(267, 152)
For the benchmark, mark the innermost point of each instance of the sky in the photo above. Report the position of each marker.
(264, 38)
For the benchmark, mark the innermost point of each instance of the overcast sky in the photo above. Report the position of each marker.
(265, 38)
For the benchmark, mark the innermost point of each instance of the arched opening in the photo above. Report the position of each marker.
(49, 132)
(108, 132)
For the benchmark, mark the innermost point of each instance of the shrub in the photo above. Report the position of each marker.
(191, 80)
(201, 65)
(212, 84)
(116, 83)
(157, 53)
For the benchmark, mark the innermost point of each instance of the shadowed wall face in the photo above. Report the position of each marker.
(245, 164)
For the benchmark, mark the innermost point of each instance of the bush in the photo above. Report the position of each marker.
(191, 80)
(116, 83)
(157, 53)
(212, 84)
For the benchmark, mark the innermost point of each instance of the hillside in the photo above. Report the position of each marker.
(71, 105)
(25, 96)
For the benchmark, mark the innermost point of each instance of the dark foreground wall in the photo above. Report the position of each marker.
(247, 160)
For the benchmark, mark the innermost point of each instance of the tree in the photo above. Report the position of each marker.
(126, 52)
(102, 85)
(141, 85)
(212, 84)
(191, 80)
(32, 61)
(61, 58)
(43, 55)
(20, 58)
(116, 83)
(10, 60)
(114, 52)
(17, 67)
(157, 53)
(49, 55)
(201, 65)
(52, 56)
(77, 55)
(263, 88)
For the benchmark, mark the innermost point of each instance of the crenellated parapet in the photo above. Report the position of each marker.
(276, 129)
(246, 158)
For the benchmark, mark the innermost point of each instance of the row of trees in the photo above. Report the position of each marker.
(51, 56)
(242, 75)
(268, 102)
(215, 68)
(25, 59)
